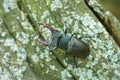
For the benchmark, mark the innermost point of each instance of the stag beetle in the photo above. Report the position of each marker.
(69, 44)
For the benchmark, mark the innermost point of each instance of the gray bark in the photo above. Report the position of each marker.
(23, 58)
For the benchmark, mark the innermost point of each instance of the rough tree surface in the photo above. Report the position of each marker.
(23, 58)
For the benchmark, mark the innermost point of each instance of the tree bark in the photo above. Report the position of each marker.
(23, 58)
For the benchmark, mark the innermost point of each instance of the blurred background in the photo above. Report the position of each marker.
(113, 6)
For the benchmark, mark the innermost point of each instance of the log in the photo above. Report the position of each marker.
(23, 58)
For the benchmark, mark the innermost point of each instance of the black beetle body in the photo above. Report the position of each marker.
(69, 44)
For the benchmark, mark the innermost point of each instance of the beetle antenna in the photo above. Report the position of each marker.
(75, 61)
(66, 28)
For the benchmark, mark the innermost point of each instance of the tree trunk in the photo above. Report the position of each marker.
(23, 58)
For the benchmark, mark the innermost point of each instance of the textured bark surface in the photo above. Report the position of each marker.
(23, 58)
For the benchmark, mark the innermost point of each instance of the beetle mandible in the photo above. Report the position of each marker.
(69, 44)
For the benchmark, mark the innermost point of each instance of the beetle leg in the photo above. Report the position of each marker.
(80, 38)
(85, 36)
(75, 61)
(46, 42)
(65, 57)
(66, 30)
(74, 34)
(52, 48)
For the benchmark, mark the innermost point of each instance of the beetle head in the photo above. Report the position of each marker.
(46, 42)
